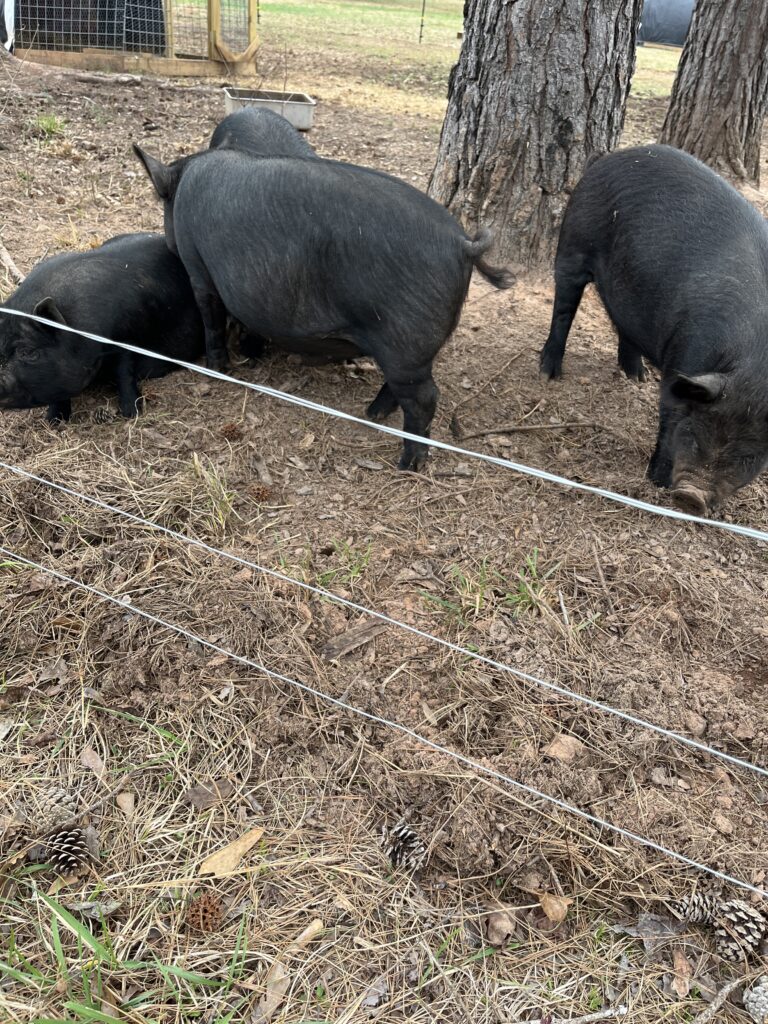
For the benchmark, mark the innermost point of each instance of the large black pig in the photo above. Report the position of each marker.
(260, 133)
(325, 252)
(130, 289)
(680, 260)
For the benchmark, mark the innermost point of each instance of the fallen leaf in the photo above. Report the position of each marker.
(95, 909)
(57, 669)
(225, 861)
(126, 802)
(500, 927)
(209, 794)
(90, 759)
(653, 929)
(681, 983)
(377, 993)
(555, 907)
(564, 748)
(278, 978)
(6, 724)
(62, 881)
(352, 639)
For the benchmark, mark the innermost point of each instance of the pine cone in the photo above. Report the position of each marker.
(50, 809)
(756, 1001)
(698, 908)
(67, 850)
(232, 432)
(739, 927)
(403, 847)
(261, 493)
(205, 913)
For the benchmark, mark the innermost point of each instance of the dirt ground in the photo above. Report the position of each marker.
(663, 620)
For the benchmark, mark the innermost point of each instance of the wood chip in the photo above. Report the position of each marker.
(126, 802)
(564, 748)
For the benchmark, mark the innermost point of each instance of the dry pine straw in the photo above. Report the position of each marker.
(652, 617)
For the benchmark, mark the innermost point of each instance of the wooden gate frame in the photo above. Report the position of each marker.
(220, 62)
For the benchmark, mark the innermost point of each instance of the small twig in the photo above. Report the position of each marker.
(476, 391)
(604, 585)
(706, 1015)
(10, 266)
(519, 428)
(614, 1011)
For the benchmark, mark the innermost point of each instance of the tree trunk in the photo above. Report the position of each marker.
(720, 96)
(539, 86)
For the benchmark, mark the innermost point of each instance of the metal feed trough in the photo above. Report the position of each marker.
(296, 107)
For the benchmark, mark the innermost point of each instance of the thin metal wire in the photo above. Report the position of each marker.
(517, 467)
(389, 723)
(456, 648)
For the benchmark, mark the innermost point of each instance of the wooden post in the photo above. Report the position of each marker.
(253, 18)
(170, 44)
(214, 29)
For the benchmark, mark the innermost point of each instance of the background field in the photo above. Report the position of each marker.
(663, 620)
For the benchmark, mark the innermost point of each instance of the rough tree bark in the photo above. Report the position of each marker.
(720, 96)
(539, 86)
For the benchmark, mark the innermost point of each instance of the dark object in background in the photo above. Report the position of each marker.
(309, 253)
(260, 133)
(665, 21)
(680, 260)
(130, 289)
(120, 25)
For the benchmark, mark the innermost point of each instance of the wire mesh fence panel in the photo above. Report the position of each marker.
(172, 28)
(190, 28)
(234, 24)
(127, 26)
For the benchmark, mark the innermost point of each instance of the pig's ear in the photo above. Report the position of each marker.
(707, 387)
(159, 173)
(48, 309)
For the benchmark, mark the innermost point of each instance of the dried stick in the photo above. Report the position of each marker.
(7, 261)
(519, 428)
(706, 1015)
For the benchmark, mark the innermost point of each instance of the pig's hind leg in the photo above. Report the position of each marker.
(416, 393)
(631, 360)
(129, 399)
(570, 281)
(383, 405)
(213, 314)
(59, 412)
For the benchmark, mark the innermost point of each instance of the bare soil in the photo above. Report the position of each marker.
(663, 620)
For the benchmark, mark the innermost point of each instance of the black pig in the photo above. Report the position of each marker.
(260, 133)
(680, 260)
(312, 250)
(130, 289)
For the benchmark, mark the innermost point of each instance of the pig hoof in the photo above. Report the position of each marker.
(659, 474)
(413, 462)
(690, 500)
(218, 362)
(550, 368)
